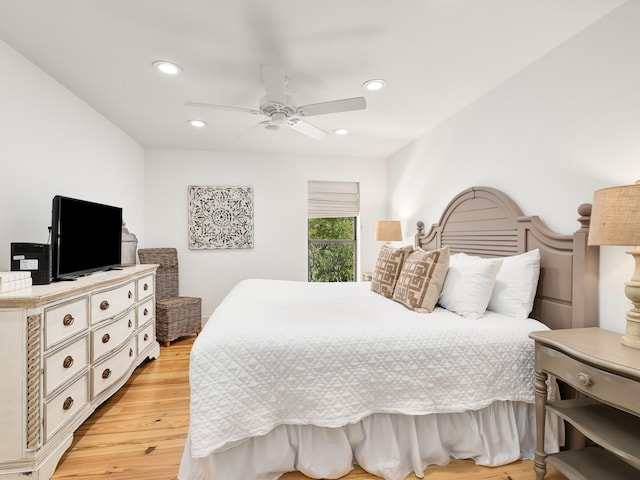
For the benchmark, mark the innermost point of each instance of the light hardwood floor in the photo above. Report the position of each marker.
(140, 433)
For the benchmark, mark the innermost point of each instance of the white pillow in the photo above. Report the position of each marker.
(516, 285)
(468, 285)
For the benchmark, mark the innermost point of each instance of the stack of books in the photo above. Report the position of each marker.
(10, 281)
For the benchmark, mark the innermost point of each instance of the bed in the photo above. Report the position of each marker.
(317, 377)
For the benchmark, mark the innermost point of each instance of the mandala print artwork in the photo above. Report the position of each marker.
(220, 217)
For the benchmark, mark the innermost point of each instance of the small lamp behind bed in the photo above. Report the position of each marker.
(388, 231)
(615, 220)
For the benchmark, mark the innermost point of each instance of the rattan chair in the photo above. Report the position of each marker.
(176, 316)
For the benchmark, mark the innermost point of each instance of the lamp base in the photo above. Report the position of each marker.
(631, 340)
(632, 290)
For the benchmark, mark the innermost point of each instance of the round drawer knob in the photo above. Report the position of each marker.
(146, 337)
(130, 294)
(145, 312)
(130, 324)
(584, 379)
(106, 374)
(104, 305)
(146, 287)
(68, 403)
(68, 320)
(68, 361)
(131, 352)
(106, 337)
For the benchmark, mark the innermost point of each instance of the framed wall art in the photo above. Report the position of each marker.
(220, 217)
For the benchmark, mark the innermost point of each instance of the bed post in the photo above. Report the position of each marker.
(584, 311)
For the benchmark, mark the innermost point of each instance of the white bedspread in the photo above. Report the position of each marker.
(329, 354)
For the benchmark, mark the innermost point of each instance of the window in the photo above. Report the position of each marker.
(332, 249)
(332, 231)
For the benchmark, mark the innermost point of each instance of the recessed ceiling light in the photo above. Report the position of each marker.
(375, 84)
(167, 67)
(340, 131)
(197, 123)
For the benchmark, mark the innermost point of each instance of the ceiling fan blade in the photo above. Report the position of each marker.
(221, 107)
(252, 128)
(273, 79)
(335, 106)
(306, 129)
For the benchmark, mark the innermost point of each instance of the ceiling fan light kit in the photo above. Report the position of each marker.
(282, 110)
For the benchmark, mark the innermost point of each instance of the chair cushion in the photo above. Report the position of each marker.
(174, 302)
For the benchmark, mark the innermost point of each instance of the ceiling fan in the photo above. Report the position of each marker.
(282, 110)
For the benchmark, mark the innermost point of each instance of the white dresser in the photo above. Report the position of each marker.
(64, 349)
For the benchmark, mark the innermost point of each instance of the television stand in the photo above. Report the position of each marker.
(70, 347)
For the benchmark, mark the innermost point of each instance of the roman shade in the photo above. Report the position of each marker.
(333, 199)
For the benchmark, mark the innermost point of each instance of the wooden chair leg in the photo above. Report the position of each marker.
(167, 344)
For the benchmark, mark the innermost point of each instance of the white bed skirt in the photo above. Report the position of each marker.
(390, 446)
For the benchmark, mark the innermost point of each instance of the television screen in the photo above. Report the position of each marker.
(85, 237)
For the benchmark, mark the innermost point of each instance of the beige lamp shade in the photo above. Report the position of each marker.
(388, 231)
(615, 220)
(615, 216)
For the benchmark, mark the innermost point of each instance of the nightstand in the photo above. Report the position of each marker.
(595, 363)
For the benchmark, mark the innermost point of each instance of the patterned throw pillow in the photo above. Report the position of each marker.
(388, 265)
(421, 279)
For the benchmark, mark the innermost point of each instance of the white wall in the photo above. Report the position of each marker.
(51, 142)
(280, 213)
(565, 126)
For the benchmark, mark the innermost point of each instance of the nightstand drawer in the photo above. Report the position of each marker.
(596, 383)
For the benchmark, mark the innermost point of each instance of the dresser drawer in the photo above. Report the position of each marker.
(146, 337)
(108, 337)
(146, 311)
(59, 410)
(597, 383)
(110, 370)
(63, 364)
(145, 287)
(65, 320)
(110, 303)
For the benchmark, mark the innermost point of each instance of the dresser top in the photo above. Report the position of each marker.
(37, 295)
(601, 348)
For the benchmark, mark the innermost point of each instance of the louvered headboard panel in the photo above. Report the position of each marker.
(486, 222)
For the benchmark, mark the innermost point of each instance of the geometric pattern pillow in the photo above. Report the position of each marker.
(388, 265)
(421, 279)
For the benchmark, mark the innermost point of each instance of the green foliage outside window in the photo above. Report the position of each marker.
(332, 249)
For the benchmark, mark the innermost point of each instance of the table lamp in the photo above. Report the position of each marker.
(388, 231)
(615, 220)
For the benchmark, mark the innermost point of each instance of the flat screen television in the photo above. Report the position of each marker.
(86, 237)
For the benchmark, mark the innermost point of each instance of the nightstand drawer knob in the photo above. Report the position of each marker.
(584, 379)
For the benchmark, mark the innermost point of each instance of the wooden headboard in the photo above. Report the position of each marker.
(486, 222)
